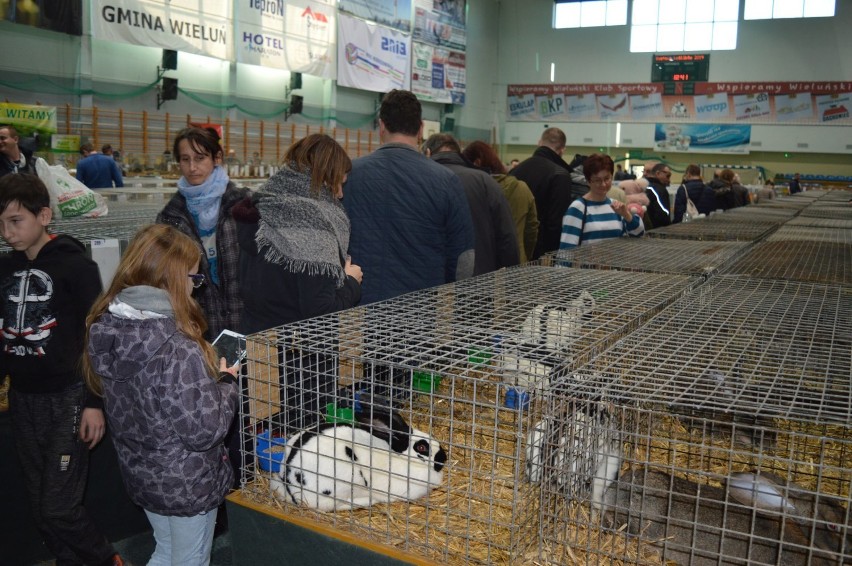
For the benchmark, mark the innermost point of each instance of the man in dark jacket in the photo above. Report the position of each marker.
(411, 226)
(496, 245)
(549, 179)
(795, 187)
(13, 158)
(659, 206)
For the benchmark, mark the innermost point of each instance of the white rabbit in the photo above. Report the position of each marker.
(756, 517)
(545, 340)
(343, 466)
(580, 450)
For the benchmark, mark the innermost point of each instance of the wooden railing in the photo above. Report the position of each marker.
(144, 138)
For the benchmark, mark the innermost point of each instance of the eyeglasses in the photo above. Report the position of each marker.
(197, 279)
(666, 173)
(600, 180)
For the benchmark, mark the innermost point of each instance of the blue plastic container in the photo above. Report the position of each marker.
(517, 398)
(270, 452)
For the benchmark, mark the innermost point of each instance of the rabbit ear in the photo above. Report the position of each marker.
(387, 425)
(760, 492)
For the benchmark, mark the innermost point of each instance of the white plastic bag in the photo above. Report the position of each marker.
(68, 196)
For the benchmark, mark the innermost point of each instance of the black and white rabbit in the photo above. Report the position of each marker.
(378, 459)
(759, 517)
(579, 449)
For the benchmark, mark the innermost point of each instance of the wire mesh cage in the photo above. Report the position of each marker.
(762, 213)
(836, 212)
(467, 365)
(655, 255)
(820, 222)
(825, 258)
(718, 433)
(717, 228)
(812, 234)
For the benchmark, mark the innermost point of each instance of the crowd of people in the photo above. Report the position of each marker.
(323, 234)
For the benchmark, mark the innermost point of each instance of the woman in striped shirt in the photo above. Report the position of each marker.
(594, 217)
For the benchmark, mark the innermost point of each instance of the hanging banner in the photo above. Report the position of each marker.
(438, 75)
(391, 13)
(372, 57)
(750, 106)
(789, 107)
(297, 36)
(646, 106)
(28, 118)
(702, 138)
(755, 103)
(831, 107)
(440, 22)
(183, 25)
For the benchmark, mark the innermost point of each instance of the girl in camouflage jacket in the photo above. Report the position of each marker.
(167, 410)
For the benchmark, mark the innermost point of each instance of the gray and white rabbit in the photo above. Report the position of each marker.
(755, 517)
(378, 459)
(579, 449)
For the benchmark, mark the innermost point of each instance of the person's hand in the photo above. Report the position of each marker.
(353, 270)
(92, 426)
(233, 370)
(621, 209)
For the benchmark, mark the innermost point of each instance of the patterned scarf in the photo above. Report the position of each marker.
(203, 200)
(302, 232)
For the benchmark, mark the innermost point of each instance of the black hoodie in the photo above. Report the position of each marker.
(45, 303)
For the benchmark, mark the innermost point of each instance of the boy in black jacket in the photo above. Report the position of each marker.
(46, 288)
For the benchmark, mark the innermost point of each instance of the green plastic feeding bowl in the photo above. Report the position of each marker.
(478, 356)
(425, 381)
(335, 414)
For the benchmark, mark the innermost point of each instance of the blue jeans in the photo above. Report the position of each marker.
(182, 541)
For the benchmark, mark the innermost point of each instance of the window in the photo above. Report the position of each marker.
(769, 9)
(589, 13)
(683, 25)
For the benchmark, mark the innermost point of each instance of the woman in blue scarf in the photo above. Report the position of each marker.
(201, 209)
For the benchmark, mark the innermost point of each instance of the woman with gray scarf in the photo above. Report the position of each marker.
(293, 236)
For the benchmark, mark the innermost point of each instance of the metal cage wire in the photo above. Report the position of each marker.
(474, 336)
(738, 376)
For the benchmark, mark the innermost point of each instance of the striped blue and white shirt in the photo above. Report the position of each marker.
(601, 223)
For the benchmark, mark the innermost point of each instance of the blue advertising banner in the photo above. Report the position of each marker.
(702, 138)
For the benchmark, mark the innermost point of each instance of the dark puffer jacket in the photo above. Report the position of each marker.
(167, 416)
(411, 225)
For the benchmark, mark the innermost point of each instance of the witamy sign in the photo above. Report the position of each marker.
(182, 25)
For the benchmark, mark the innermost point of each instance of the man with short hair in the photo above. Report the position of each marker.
(411, 224)
(494, 229)
(13, 158)
(659, 207)
(96, 170)
(549, 179)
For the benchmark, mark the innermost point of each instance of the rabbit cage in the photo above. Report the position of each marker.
(466, 366)
(720, 433)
